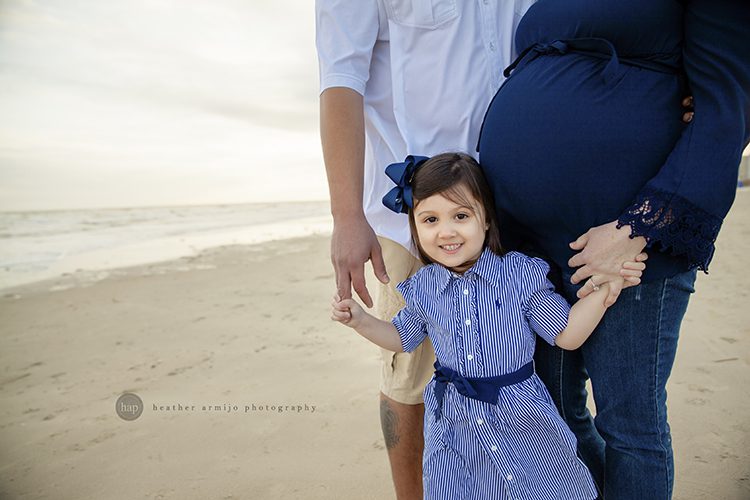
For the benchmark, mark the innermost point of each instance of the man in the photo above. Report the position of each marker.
(400, 77)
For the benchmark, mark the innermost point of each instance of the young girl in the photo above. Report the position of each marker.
(491, 429)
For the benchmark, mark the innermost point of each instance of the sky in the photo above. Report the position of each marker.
(119, 103)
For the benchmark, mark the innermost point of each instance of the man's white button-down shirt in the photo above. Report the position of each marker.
(427, 70)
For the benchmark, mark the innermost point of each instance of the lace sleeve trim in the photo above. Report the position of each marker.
(678, 226)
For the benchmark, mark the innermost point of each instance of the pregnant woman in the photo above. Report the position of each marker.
(584, 144)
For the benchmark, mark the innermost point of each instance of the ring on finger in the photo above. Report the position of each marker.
(594, 286)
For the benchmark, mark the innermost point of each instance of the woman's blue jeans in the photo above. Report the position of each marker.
(629, 357)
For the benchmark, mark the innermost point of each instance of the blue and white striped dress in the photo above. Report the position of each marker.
(484, 324)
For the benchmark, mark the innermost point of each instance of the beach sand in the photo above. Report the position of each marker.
(248, 326)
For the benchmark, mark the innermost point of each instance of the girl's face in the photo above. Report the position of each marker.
(449, 233)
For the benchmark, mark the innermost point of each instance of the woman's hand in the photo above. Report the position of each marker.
(603, 252)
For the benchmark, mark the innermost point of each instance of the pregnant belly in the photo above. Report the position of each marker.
(562, 149)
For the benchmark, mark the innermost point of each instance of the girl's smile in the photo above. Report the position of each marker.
(451, 248)
(451, 233)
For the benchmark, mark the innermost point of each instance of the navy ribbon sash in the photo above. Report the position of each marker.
(599, 48)
(479, 388)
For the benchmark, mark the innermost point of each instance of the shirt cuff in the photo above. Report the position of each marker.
(411, 333)
(343, 80)
(548, 314)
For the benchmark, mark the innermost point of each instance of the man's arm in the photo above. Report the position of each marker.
(353, 242)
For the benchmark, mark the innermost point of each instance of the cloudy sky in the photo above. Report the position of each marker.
(113, 103)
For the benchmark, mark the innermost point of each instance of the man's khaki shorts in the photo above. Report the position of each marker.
(404, 375)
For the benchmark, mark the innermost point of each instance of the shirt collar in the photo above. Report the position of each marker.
(485, 267)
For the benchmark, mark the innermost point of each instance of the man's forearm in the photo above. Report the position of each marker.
(342, 133)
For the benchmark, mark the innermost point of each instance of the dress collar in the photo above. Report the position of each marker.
(485, 267)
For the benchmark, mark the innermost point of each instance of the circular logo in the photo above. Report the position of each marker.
(129, 406)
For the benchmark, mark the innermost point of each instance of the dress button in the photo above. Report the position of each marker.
(480, 421)
(509, 477)
(468, 322)
(494, 448)
(470, 357)
(466, 291)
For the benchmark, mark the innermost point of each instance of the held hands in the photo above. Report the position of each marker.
(352, 244)
(608, 255)
(346, 311)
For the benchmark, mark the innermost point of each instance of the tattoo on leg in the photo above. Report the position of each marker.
(389, 423)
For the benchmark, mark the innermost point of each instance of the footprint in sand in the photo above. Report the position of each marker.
(14, 379)
(179, 370)
(102, 437)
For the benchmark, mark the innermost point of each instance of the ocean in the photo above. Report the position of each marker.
(40, 245)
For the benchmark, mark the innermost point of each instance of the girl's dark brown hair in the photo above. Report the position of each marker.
(444, 174)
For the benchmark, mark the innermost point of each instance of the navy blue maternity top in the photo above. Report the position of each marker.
(588, 127)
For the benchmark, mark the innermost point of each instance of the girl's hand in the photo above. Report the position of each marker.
(346, 311)
(632, 271)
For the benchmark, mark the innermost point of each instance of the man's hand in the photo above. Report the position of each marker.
(603, 251)
(352, 244)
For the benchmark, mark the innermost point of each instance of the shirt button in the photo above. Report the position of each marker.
(468, 322)
(494, 448)
(466, 291)
(509, 477)
(480, 421)
(470, 357)
(485, 2)
(492, 46)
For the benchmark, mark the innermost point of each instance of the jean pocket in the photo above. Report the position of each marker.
(425, 14)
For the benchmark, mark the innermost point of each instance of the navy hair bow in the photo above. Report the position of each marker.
(399, 199)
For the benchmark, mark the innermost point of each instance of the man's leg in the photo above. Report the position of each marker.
(402, 429)
(404, 376)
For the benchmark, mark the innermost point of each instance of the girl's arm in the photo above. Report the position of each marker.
(377, 331)
(583, 318)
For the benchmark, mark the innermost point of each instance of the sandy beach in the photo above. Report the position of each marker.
(250, 391)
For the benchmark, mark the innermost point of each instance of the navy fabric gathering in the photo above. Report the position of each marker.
(482, 389)
(482, 324)
(587, 129)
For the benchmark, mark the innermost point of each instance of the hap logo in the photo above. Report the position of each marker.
(129, 406)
